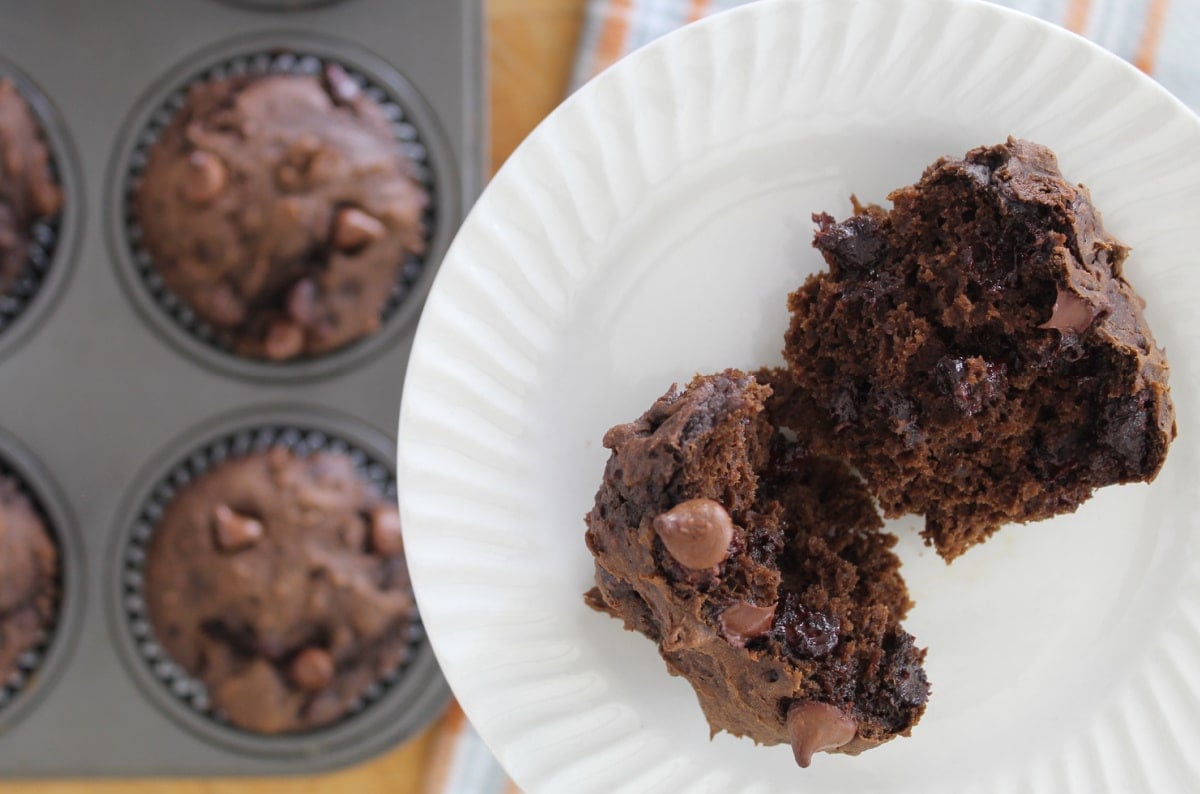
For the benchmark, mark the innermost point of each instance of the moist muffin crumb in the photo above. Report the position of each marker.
(279, 582)
(761, 573)
(280, 209)
(29, 576)
(28, 190)
(976, 352)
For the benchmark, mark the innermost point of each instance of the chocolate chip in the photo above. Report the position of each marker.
(1123, 430)
(913, 688)
(815, 727)
(353, 229)
(697, 532)
(342, 87)
(205, 179)
(386, 538)
(1071, 315)
(234, 531)
(284, 340)
(302, 301)
(855, 246)
(312, 669)
(743, 621)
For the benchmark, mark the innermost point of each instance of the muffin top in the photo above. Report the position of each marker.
(280, 209)
(28, 190)
(279, 581)
(28, 578)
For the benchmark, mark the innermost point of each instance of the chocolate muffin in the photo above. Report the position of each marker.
(279, 582)
(29, 576)
(976, 352)
(28, 190)
(761, 573)
(281, 210)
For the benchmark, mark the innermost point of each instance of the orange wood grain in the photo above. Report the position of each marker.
(531, 48)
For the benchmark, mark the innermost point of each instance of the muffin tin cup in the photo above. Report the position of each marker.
(43, 663)
(390, 711)
(52, 249)
(415, 130)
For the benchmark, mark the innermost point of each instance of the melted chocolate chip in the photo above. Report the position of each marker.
(234, 531)
(743, 621)
(1071, 315)
(386, 537)
(353, 229)
(815, 727)
(312, 669)
(205, 178)
(696, 533)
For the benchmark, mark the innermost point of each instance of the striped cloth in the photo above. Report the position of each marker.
(1157, 36)
(1154, 35)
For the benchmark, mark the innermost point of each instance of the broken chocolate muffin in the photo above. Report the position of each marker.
(28, 190)
(279, 581)
(761, 573)
(280, 209)
(976, 352)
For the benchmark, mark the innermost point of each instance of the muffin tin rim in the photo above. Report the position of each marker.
(446, 193)
(380, 725)
(279, 6)
(58, 139)
(35, 478)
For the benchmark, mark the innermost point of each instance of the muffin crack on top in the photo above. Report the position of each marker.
(281, 210)
(974, 355)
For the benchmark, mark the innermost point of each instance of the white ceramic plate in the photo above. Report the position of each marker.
(650, 229)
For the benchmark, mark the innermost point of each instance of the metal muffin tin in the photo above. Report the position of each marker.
(108, 393)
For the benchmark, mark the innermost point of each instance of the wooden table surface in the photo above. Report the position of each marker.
(531, 45)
